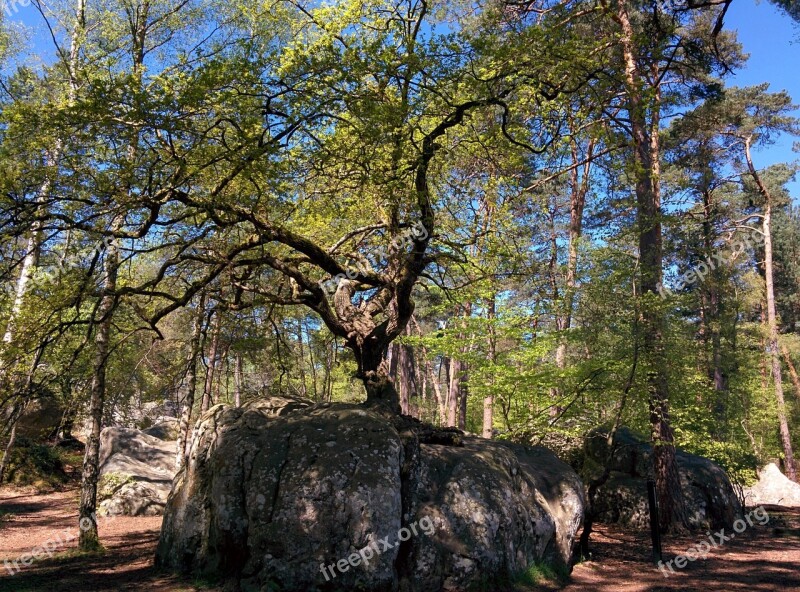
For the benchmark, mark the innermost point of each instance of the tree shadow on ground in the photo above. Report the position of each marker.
(761, 559)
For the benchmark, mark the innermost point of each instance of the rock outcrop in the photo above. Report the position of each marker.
(41, 419)
(288, 494)
(710, 499)
(136, 470)
(772, 487)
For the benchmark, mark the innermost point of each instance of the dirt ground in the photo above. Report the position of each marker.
(759, 559)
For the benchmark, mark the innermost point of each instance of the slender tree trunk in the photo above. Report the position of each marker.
(764, 364)
(646, 150)
(773, 350)
(238, 379)
(70, 414)
(302, 364)
(463, 396)
(579, 187)
(29, 263)
(441, 402)
(88, 538)
(327, 372)
(205, 405)
(7, 450)
(453, 390)
(711, 317)
(189, 383)
(404, 379)
(488, 401)
(221, 368)
(402, 370)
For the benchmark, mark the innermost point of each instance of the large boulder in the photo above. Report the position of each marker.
(40, 419)
(772, 487)
(284, 494)
(710, 499)
(166, 428)
(136, 470)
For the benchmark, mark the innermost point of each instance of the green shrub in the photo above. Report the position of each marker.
(37, 465)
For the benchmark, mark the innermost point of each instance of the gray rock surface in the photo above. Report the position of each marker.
(773, 487)
(41, 419)
(137, 469)
(708, 494)
(279, 487)
(166, 429)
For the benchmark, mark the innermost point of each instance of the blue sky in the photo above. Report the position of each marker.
(773, 41)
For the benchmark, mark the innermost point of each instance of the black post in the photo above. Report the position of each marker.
(655, 532)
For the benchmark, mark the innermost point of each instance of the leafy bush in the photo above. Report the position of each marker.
(37, 465)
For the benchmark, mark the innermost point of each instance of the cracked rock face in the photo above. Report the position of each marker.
(281, 486)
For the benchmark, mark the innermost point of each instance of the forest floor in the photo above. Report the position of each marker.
(759, 559)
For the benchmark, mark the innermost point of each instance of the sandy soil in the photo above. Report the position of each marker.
(31, 520)
(759, 559)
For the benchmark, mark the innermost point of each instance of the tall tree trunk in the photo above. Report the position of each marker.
(16, 411)
(302, 364)
(488, 401)
(402, 369)
(205, 405)
(88, 539)
(646, 151)
(711, 316)
(463, 396)
(189, 383)
(406, 379)
(453, 392)
(238, 379)
(12, 438)
(222, 369)
(70, 414)
(578, 188)
(773, 350)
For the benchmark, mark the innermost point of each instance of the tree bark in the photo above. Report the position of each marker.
(488, 401)
(453, 392)
(88, 538)
(189, 383)
(7, 450)
(646, 152)
(578, 188)
(773, 350)
(711, 318)
(238, 379)
(463, 396)
(402, 369)
(205, 404)
(302, 363)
